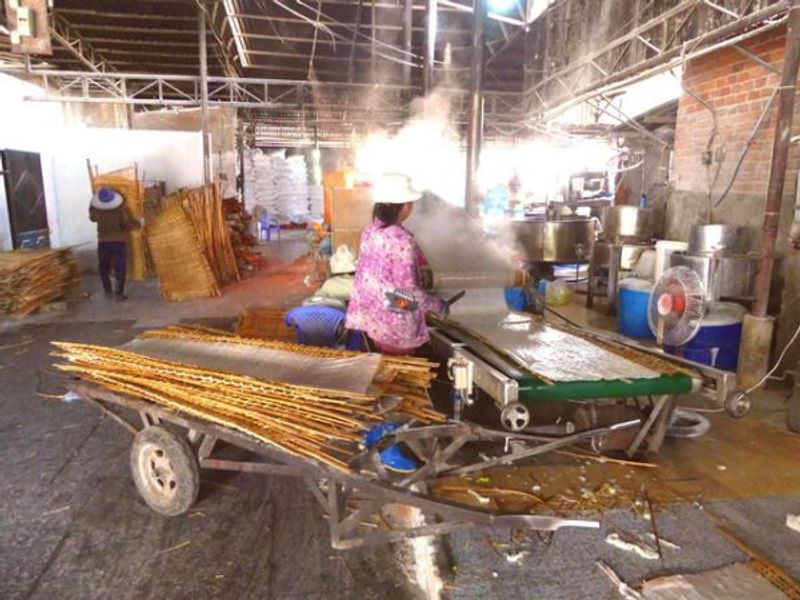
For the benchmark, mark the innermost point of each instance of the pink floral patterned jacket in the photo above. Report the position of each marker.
(388, 261)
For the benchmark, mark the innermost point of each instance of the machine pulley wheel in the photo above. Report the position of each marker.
(515, 416)
(737, 405)
(165, 470)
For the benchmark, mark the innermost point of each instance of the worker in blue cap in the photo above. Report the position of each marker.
(107, 209)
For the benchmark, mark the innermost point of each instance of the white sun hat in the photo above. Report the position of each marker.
(394, 188)
(107, 199)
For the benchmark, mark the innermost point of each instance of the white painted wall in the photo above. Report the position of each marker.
(18, 120)
(174, 157)
(171, 156)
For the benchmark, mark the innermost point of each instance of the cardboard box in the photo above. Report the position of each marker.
(351, 208)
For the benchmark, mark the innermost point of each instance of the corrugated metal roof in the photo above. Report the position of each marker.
(330, 40)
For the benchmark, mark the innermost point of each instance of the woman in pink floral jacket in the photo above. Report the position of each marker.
(387, 303)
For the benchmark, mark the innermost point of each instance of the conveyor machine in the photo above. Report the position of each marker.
(536, 372)
(511, 377)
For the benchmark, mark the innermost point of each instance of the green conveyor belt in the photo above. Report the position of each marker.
(534, 390)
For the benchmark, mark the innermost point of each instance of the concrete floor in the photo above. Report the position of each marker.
(73, 525)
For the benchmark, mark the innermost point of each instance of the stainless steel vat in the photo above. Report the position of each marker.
(623, 224)
(717, 239)
(731, 277)
(629, 254)
(563, 240)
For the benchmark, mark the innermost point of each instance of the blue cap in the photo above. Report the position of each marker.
(105, 194)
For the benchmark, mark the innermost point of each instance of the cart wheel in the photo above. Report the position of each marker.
(737, 405)
(598, 443)
(515, 416)
(165, 470)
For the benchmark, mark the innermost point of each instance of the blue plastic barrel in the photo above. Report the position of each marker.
(633, 297)
(718, 340)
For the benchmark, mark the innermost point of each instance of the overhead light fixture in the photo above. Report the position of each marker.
(501, 6)
(236, 31)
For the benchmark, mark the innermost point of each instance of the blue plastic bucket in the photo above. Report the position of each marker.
(633, 298)
(718, 340)
(517, 298)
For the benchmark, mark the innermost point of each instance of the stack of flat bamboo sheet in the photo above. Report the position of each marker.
(190, 245)
(30, 278)
(324, 424)
(181, 265)
(203, 206)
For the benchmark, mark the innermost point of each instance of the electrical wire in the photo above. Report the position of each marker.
(777, 362)
(370, 38)
(714, 127)
(746, 148)
(309, 20)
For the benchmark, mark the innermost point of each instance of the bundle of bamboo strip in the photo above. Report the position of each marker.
(126, 182)
(178, 258)
(405, 376)
(322, 425)
(203, 206)
(30, 278)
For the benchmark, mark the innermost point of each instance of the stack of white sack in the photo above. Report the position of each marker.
(316, 202)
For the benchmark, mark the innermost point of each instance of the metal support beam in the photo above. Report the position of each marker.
(780, 157)
(224, 56)
(408, 13)
(373, 56)
(201, 30)
(584, 72)
(475, 110)
(288, 108)
(430, 45)
(65, 34)
(351, 74)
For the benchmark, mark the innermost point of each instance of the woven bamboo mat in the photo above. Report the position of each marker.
(203, 207)
(265, 322)
(31, 278)
(178, 258)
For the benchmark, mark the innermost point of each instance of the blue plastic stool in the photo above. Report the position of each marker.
(266, 225)
(392, 457)
(317, 325)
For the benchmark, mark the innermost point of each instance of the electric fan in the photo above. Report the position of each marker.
(677, 306)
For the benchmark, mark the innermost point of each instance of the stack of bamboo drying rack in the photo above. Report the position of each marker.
(319, 424)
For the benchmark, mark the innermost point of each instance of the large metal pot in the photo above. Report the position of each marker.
(625, 224)
(731, 277)
(564, 240)
(717, 239)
